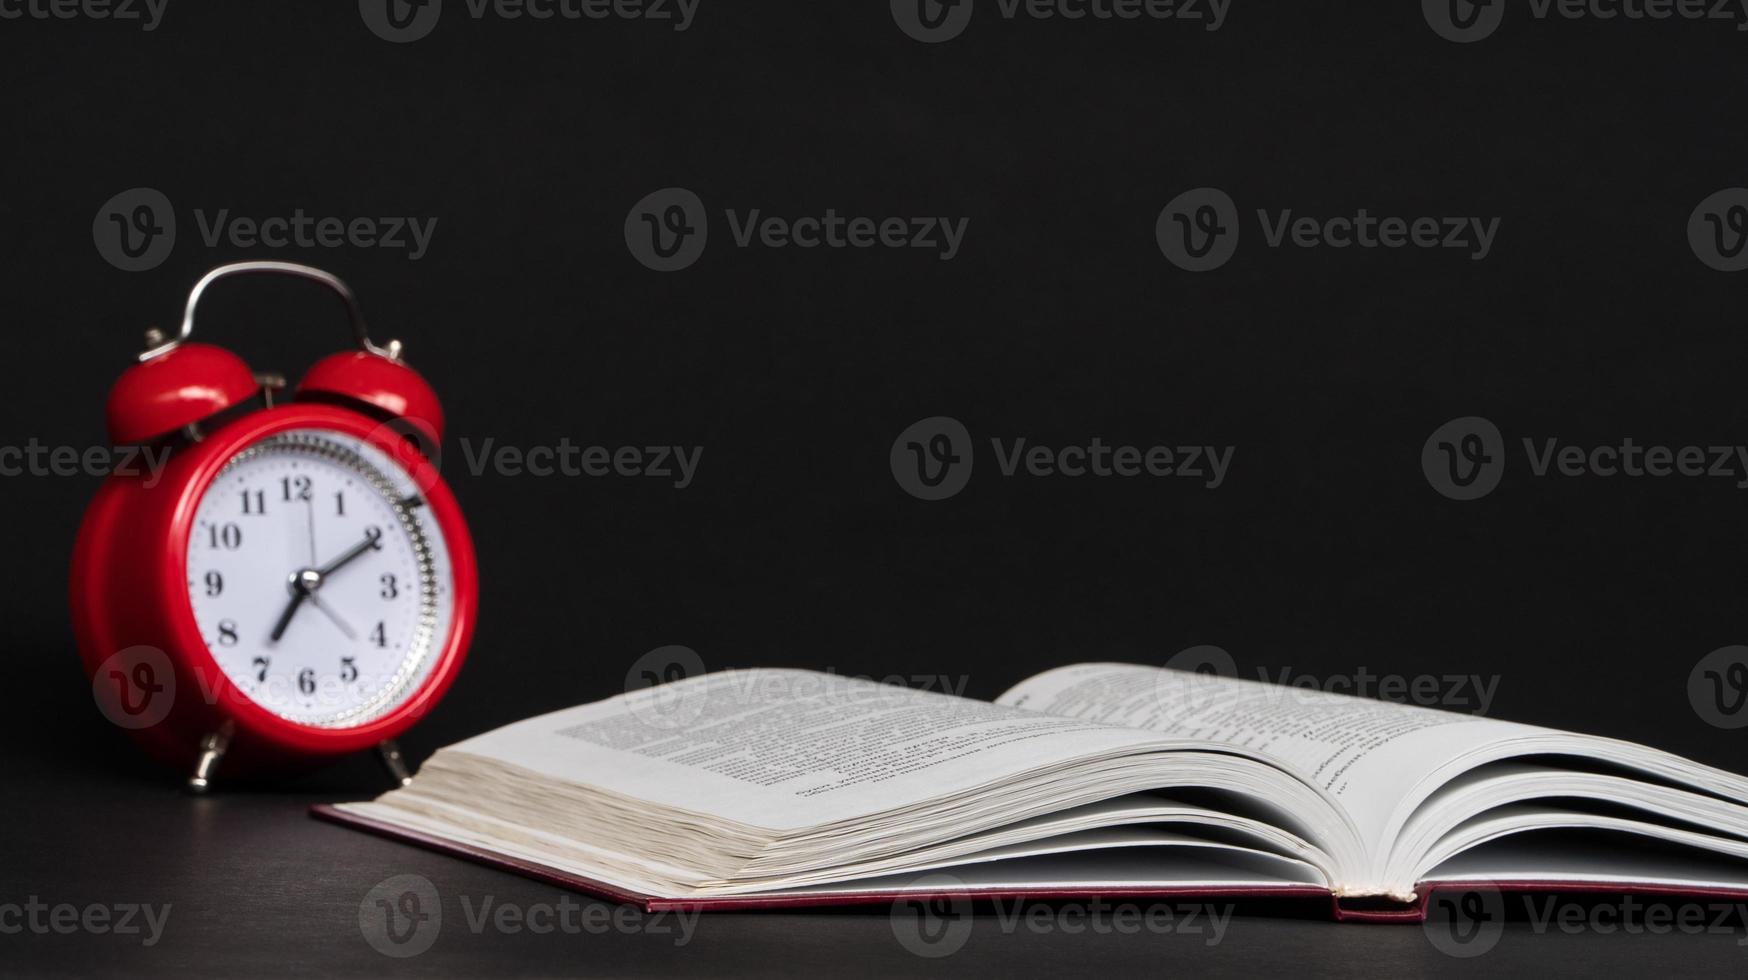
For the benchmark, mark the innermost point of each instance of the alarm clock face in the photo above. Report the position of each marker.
(319, 582)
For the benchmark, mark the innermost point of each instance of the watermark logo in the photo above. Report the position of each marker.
(148, 14)
(1463, 21)
(405, 21)
(1205, 660)
(1206, 666)
(1717, 687)
(936, 919)
(677, 465)
(1465, 923)
(657, 692)
(135, 688)
(932, 458)
(135, 230)
(410, 443)
(936, 922)
(671, 705)
(40, 918)
(932, 21)
(1202, 677)
(667, 230)
(400, 21)
(36, 458)
(1464, 458)
(401, 916)
(1718, 230)
(1198, 229)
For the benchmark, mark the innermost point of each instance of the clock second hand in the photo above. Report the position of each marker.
(325, 610)
(311, 523)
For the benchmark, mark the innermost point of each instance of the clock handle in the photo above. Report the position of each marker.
(353, 311)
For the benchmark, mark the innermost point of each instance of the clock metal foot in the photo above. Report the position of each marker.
(396, 763)
(212, 751)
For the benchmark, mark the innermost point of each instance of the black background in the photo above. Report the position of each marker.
(1325, 551)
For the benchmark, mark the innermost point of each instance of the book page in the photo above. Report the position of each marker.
(1368, 754)
(782, 749)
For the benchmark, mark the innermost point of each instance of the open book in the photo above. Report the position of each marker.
(783, 787)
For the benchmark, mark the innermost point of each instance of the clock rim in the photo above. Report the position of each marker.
(156, 609)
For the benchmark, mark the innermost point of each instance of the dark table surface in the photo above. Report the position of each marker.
(253, 885)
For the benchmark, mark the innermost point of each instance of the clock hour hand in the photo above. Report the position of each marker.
(372, 541)
(297, 598)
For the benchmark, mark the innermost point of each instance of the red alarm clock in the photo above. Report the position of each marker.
(291, 582)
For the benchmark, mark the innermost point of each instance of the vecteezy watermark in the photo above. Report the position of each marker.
(1718, 229)
(934, 21)
(1198, 231)
(1466, 21)
(668, 705)
(1717, 687)
(1472, 693)
(136, 687)
(403, 916)
(136, 230)
(405, 21)
(38, 459)
(1464, 459)
(148, 14)
(932, 459)
(935, 919)
(667, 231)
(40, 918)
(1468, 921)
(677, 464)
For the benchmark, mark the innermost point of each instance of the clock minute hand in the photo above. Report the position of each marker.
(372, 540)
